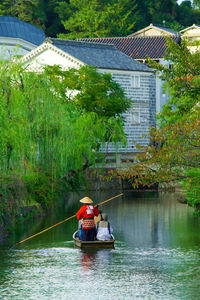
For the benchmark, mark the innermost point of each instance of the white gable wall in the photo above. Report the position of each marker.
(192, 32)
(50, 58)
(49, 55)
(151, 32)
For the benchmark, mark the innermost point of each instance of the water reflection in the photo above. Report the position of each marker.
(156, 254)
(91, 259)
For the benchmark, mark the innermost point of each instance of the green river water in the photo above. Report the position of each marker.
(156, 255)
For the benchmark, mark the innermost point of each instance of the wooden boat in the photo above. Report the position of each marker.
(93, 244)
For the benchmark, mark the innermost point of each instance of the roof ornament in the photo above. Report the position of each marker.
(48, 40)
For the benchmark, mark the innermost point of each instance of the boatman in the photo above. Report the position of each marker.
(87, 212)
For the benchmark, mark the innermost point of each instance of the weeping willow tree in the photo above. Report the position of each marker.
(45, 139)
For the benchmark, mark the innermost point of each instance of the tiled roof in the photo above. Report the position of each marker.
(15, 28)
(137, 47)
(100, 55)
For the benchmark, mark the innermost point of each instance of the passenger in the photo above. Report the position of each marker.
(104, 230)
(87, 212)
(96, 220)
(99, 217)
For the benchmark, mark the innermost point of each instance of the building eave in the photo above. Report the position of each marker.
(151, 26)
(47, 45)
(188, 28)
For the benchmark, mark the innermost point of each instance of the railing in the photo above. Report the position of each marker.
(117, 160)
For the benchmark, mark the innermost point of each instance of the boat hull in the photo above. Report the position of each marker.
(93, 244)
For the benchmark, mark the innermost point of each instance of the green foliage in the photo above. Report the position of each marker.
(97, 18)
(96, 94)
(162, 12)
(192, 186)
(41, 13)
(48, 138)
(22, 9)
(90, 90)
(185, 13)
(181, 80)
(40, 189)
(45, 16)
(80, 18)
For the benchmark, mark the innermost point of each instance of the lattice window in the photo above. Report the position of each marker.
(135, 117)
(135, 81)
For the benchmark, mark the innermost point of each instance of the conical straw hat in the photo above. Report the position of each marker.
(86, 200)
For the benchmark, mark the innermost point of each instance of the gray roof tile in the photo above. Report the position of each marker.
(13, 27)
(166, 29)
(100, 55)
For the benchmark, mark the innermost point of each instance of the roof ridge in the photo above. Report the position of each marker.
(14, 19)
(82, 43)
(106, 37)
(130, 37)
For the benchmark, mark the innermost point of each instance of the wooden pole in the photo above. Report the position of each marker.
(30, 237)
(109, 199)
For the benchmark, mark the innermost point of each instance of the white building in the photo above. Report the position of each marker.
(192, 32)
(18, 37)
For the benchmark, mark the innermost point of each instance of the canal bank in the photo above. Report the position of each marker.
(23, 216)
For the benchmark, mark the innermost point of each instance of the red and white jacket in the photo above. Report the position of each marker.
(87, 213)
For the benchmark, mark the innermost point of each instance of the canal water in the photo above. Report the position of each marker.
(156, 255)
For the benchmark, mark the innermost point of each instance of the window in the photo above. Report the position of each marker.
(135, 117)
(135, 81)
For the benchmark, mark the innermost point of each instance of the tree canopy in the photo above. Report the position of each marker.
(47, 138)
(22, 9)
(98, 18)
(81, 18)
(90, 90)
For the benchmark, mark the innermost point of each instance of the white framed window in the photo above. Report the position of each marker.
(135, 81)
(135, 117)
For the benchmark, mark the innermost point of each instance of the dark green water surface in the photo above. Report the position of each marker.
(156, 255)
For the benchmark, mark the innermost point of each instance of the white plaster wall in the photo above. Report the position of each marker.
(192, 32)
(14, 46)
(50, 57)
(151, 32)
(161, 96)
